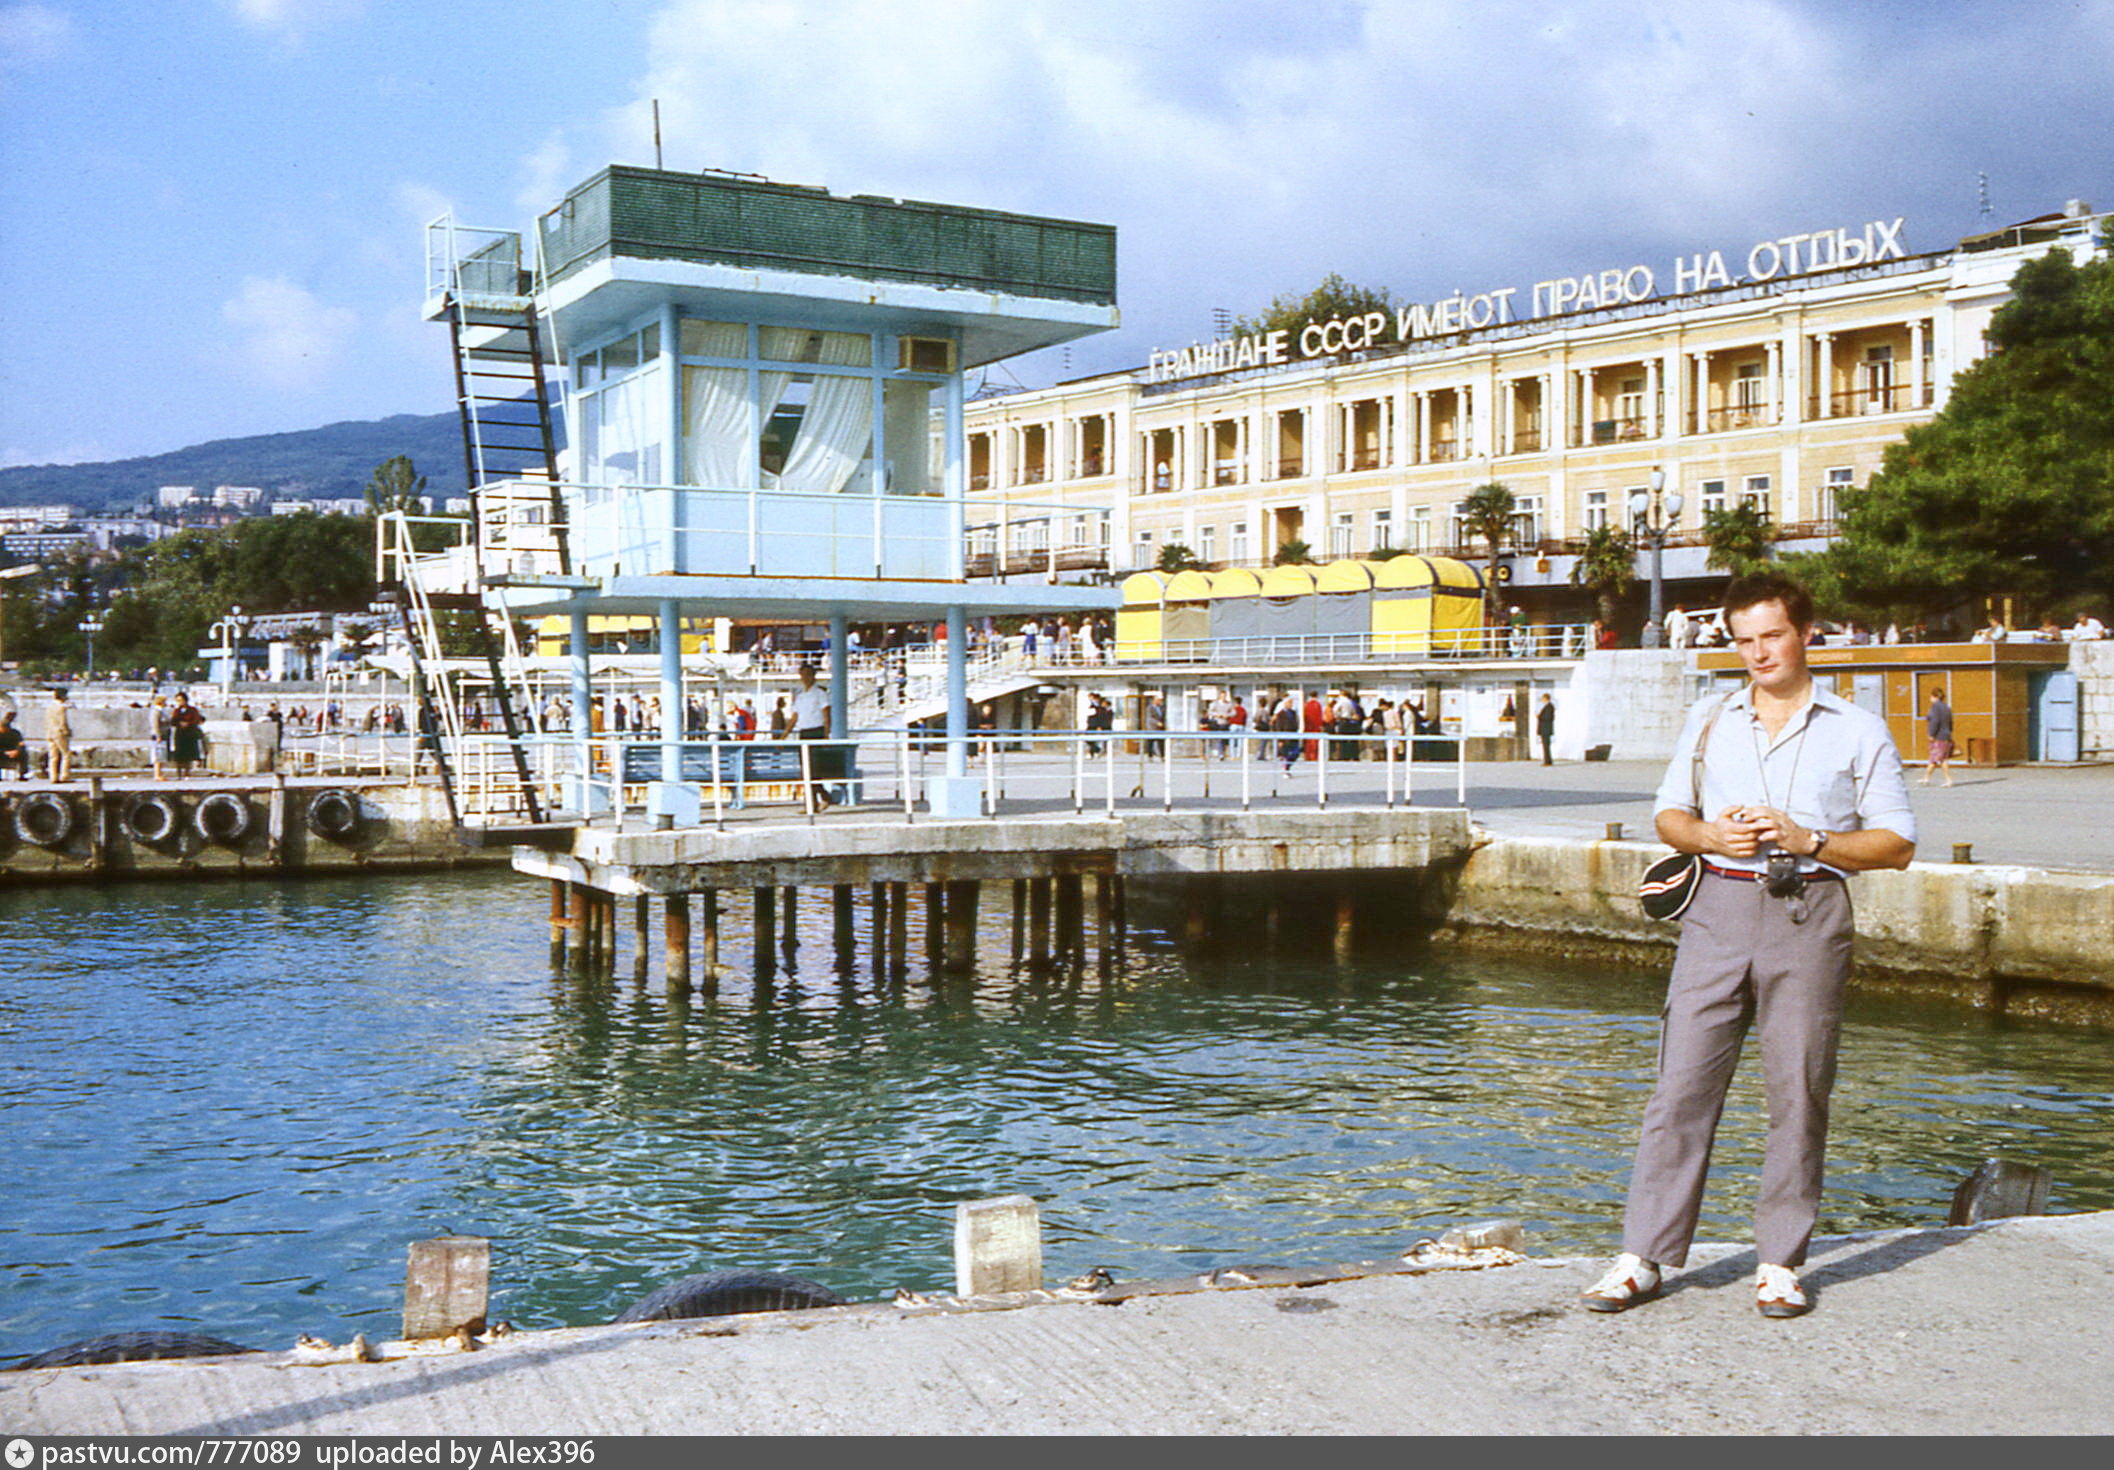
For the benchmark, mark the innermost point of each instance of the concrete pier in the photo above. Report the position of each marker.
(1989, 1329)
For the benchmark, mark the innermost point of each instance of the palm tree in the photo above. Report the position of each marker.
(1607, 565)
(1487, 515)
(1292, 553)
(1175, 557)
(1738, 538)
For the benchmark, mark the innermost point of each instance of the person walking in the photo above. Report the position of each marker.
(1938, 720)
(1545, 727)
(159, 750)
(811, 722)
(1286, 721)
(58, 736)
(1806, 788)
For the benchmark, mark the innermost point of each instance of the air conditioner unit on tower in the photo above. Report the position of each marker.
(926, 355)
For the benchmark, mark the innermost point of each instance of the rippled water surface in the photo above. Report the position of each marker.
(231, 1105)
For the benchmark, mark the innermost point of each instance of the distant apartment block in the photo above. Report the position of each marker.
(174, 497)
(238, 497)
(293, 507)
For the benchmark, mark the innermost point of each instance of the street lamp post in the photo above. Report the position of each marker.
(1655, 512)
(91, 626)
(230, 629)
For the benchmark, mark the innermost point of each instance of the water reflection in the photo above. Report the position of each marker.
(232, 1105)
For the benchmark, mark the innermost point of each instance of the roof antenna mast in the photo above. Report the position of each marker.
(657, 134)
(1982, 192)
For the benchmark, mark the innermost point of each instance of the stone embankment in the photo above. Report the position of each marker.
(2024, 940)
(1989, 1329)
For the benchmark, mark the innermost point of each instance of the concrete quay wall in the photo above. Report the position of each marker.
(2019, 939)
(1133, 844)
(403, 825)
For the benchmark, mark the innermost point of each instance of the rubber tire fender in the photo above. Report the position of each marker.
(225, 831)
(726, 1293)
(334, 814)
(133, 1347)
(167, 820)
(60, 822)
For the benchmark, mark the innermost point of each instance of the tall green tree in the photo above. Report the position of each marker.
(1737, 537)
(1487, 516)
(1334, 297)
(396, 485)
(2009, 490)
(1607, 568)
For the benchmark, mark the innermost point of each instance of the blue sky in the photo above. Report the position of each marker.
(210, 209)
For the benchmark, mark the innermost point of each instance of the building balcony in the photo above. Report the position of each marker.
(1292, 468)
(1363, 459)
(1882, 398)
(1617, 430)
(1525, 441)
(1442, 451)
(1738, 416)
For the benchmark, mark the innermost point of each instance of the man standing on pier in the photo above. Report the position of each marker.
(1806, 788)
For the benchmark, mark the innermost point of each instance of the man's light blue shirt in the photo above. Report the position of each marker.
(1832, 766)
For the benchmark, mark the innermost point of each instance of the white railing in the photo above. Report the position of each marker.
(1025, 773)
(1539, 641)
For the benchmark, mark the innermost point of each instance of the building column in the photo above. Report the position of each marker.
(1552, 416)
(671, 698)
(957, 692)
(1424, 427)
(1915, 352)
(1582, 433)
(1772, 371)
(1656, 419)
(1824, 373)
(583, 698)
(1507, 414)
(840, 676)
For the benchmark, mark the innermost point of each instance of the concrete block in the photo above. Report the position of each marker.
(676, 800)
(1999, 1188)
(446, 1282)
(241, 747)
(1507, 1235)
(954, 798)
(997, 1246)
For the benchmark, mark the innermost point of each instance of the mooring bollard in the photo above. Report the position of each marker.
(997, 1246)
(1614, 832)
(1963, 852)
(446, 1282)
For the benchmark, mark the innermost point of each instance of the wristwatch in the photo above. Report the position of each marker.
(1821, 839)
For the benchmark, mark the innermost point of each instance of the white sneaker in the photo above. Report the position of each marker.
(1631, 1281)
(1778, 1294)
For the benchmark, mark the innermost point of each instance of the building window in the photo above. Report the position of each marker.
(1092, 434)
(1226, 451)
(1420, 528)
(1526, 522)
(1713, 497)
(1756, 493)
(1342, 533)
(1837, 480)
(1876, 375)
(1159, 461)
(1207, 543)
(1596, 509)
(1291, 443)
(1238, 550)
(1365, 437)
(1383, 530)
(1143, 549)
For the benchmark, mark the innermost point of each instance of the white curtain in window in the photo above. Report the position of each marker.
(716, 408)
(620, 432)
(838, 426)
(776, 344)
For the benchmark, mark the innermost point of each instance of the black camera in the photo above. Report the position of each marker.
(1783, 879)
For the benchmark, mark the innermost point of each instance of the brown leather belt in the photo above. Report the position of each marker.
(1741, 875)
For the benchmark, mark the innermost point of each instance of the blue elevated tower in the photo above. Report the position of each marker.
(761, 390)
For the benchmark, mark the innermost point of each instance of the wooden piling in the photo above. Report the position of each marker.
(675, 941)
(1104, 920)
(708, 939)
(1346, 915)
(935, 924)
(789, 919)
(559, 923)
(1071, 910)
(1020, 917)
(1039, 891)
(766, 941)
(961, 926)
(581, 924)
(877, 925)
(841, 914)
(898, 927)
(1119, 898)
(641, 924)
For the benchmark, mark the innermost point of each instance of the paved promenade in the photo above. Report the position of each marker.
(1996, 1329)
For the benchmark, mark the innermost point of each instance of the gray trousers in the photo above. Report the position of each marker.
(1743, 959)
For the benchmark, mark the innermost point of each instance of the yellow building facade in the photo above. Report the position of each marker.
(1781, 391)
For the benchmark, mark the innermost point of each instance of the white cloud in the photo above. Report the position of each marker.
(293, 19)
(31, 33)
(284, 337)
(547, 172)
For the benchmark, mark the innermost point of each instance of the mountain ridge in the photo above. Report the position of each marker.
(330, 461)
